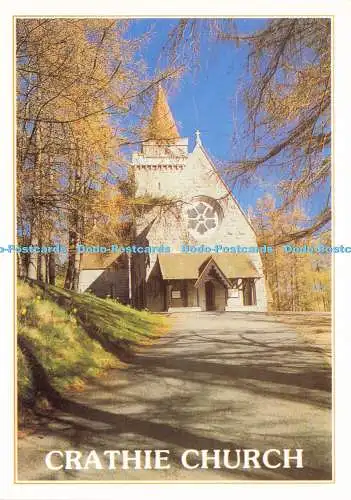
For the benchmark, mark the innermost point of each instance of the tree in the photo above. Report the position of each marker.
(77, 82)
(287, 93)
(297, 281)
(65, 85)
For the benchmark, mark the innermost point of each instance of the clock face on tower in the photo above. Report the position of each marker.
(204, 216)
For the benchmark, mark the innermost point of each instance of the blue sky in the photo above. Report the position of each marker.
(209, 99)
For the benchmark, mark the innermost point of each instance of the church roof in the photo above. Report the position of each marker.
(161, 124)
(98, 260)
(189, 266)
(200, 147)
(212, 267)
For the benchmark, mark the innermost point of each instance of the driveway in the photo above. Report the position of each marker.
(216, 381)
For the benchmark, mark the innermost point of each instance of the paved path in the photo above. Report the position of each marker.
(216, 381)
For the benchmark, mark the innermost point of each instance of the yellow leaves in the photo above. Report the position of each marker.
(291, 277)
(107, 206)
(303, 90)
(77, 385)
(81, 67)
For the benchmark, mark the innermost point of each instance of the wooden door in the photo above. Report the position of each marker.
(210, 296)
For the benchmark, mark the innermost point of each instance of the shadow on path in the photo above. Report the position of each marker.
(285, 375)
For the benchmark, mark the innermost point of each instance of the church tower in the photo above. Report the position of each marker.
(163, 154)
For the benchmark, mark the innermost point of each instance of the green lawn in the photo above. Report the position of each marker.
(75, 336)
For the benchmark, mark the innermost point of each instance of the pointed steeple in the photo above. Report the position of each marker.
(161, 123)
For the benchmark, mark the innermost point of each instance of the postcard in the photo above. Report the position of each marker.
(174, 249)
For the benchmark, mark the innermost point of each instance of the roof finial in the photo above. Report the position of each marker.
(198, 139)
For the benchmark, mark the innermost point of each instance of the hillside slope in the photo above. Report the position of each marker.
(65, 338)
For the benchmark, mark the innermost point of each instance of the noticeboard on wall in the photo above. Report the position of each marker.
(233, 293)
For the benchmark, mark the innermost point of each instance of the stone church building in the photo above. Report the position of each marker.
(201, 212)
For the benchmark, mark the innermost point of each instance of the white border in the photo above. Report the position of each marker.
(341, 10)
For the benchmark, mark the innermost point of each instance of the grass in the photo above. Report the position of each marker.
(74, 336)
(108, 317)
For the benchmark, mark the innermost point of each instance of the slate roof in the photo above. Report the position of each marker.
(98, 260)
(190, 266)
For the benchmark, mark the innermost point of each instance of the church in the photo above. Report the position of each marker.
(200, 212)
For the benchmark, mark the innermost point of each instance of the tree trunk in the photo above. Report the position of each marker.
(21, 271)
(276, 279)
(76, 271)
(35, 225)
(33, 256)
(41, 267)
(71, 258)
(52, 268)
(72, 274)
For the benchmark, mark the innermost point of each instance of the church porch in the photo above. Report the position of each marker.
(197, 283)
(212, 295)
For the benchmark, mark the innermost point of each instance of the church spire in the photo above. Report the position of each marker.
(161, 123)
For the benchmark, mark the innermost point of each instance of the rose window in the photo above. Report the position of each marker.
(203, 217)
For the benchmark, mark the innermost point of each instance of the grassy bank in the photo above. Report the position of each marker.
(67, 338)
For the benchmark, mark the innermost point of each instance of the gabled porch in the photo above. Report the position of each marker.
(204, 282)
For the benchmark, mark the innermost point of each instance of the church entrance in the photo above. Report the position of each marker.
(210, 296)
